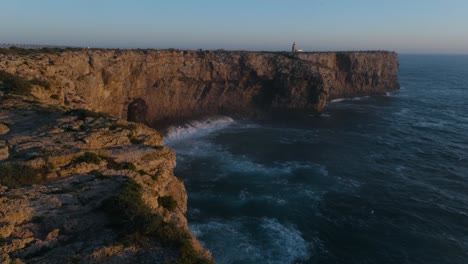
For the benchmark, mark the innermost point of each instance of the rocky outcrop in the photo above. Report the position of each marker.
(59, 180)
(150, 86)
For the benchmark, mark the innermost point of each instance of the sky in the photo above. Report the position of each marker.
(409, 26)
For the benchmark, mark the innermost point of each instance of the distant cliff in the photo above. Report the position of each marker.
(150, 86)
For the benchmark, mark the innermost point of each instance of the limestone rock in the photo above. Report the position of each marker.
(153, 86)
(4, 129)
(75, 165)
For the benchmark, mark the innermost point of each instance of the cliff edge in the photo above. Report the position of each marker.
(150, 86)
(83, 187)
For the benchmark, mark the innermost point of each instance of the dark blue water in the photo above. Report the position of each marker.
(375, 180)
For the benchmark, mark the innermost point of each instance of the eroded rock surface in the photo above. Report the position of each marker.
(70, 163)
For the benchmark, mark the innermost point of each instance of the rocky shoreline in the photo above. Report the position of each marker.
(88, 186)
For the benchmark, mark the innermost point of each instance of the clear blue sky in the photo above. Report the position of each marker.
(407, 26)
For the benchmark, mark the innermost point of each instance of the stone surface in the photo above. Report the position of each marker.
(4, 129)
(152, 86)
(60, 220)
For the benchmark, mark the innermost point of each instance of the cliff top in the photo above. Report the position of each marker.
(23, 51)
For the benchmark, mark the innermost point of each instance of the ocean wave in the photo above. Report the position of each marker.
(357, 98)
(272, 242)
(229, 163)
(360, 98)
(337, 100)
(197, 128)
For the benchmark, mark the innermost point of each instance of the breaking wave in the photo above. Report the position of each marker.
(197, 128)
(274, 242)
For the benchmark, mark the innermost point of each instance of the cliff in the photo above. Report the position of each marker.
(150, 86)
(83, 187)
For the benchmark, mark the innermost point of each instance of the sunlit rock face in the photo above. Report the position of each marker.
(151, 86)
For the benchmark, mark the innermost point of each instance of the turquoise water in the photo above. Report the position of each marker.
(379, 179)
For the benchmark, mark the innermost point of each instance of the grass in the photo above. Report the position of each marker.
(167, 202)
(139, 224)
(17, 175)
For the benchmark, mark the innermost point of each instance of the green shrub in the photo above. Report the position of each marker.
(89, 157)
(139, 224)
(113, 127)
(2, 241)
(125, 166)
(167, 202)
(98, 175)
(135, 141)
(16, 175)
(14, 84)
(112, 164)
(55, 97)
(39, 82)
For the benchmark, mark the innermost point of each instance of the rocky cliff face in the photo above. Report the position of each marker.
(150, 86)
(83, 187)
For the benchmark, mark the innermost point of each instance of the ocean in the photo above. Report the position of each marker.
(379, 179)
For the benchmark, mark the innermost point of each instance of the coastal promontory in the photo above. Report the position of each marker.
(85, 177)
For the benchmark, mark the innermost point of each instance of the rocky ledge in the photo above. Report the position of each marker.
(82, 187)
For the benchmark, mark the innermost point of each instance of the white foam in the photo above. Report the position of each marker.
(273, 243)
(351, 99)
(337, 100)
(431, 124)
(287, 238)
(360, 98)
(197, 128)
